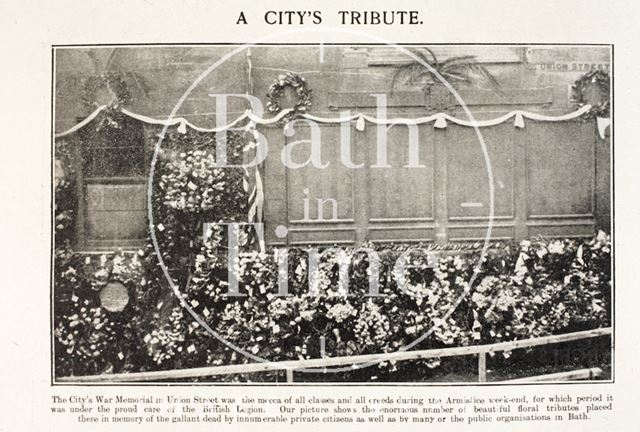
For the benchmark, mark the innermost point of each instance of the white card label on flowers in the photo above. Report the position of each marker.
(191, 349)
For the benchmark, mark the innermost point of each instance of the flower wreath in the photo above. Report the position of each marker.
(113, 82)
(276, 90)
(581, 86)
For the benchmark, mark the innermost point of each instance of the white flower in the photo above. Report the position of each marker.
(556, 247)
(457, 262)
(307, 315)
(602, 237)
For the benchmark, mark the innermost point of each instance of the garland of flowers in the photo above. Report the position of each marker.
(299, 85)
(602, 80)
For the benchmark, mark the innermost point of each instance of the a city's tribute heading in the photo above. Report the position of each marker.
(345, 17)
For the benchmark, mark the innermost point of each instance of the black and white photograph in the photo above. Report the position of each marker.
(332, 213)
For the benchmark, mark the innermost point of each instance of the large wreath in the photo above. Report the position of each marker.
(580, 92)
(299, 85)
(113, 82)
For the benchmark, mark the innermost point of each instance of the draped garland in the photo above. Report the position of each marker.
(256, 195)
(439, 120)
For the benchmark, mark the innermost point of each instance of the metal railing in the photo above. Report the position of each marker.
(290, 366)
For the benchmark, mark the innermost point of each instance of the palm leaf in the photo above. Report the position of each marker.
(415, 69)
(420, 52)
(463, 68)
(459, 61)
(491, 80)
(456, 77)
(407, 72)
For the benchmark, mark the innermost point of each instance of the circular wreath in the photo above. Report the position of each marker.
(299, 85)
(113, 82)
(581, 88)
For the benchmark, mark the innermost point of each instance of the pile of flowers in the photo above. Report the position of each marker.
(193, 182)
(522, 290)
(89, 338)
(533, 289)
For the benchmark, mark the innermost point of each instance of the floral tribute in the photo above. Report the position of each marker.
(593, 88)
(528, 289)
(299, 85)
(113, 83)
